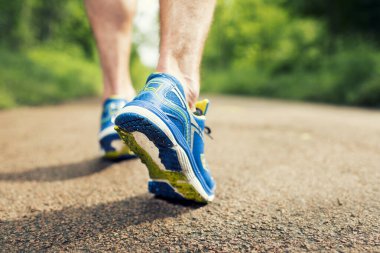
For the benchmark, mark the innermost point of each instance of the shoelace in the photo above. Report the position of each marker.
(208, 132)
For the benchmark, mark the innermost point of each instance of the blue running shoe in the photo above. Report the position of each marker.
(112, 147)
(160, 128)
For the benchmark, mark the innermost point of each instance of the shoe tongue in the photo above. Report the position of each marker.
(202, 107)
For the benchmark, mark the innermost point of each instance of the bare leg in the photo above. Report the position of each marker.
(111, 22)
(184, 28)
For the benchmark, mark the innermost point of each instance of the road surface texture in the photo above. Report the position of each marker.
(291, 176)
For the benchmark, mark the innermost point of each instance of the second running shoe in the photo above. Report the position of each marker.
(111, 146)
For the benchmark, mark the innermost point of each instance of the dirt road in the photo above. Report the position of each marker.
(290, 176)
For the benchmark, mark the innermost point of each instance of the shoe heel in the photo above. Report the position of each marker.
(169, 183)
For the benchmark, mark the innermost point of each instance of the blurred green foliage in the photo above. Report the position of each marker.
(342, 17)
(24, 24)
(41, 75)
(47, 53)
(296, 49)
(317, 50)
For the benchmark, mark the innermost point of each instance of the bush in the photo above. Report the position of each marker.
(41, 76)
(264, 51)
(349, 76)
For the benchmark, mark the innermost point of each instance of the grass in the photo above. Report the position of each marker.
(43, 76)
(40, 76)
(350, 76)
(48, 76)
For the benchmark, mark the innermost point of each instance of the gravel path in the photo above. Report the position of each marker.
(290, 176)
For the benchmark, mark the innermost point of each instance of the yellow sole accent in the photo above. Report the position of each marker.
(113, 155)
(176, 179)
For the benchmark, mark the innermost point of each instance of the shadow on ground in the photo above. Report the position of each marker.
(59, 172)
(59, 228)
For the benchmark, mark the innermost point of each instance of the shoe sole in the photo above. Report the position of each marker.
(124, 154)
(121, 152)
(169, 167)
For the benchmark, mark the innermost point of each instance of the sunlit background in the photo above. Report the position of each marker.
(315, 50)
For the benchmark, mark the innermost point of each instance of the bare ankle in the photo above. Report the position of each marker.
(191, 91)
(189, 82)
